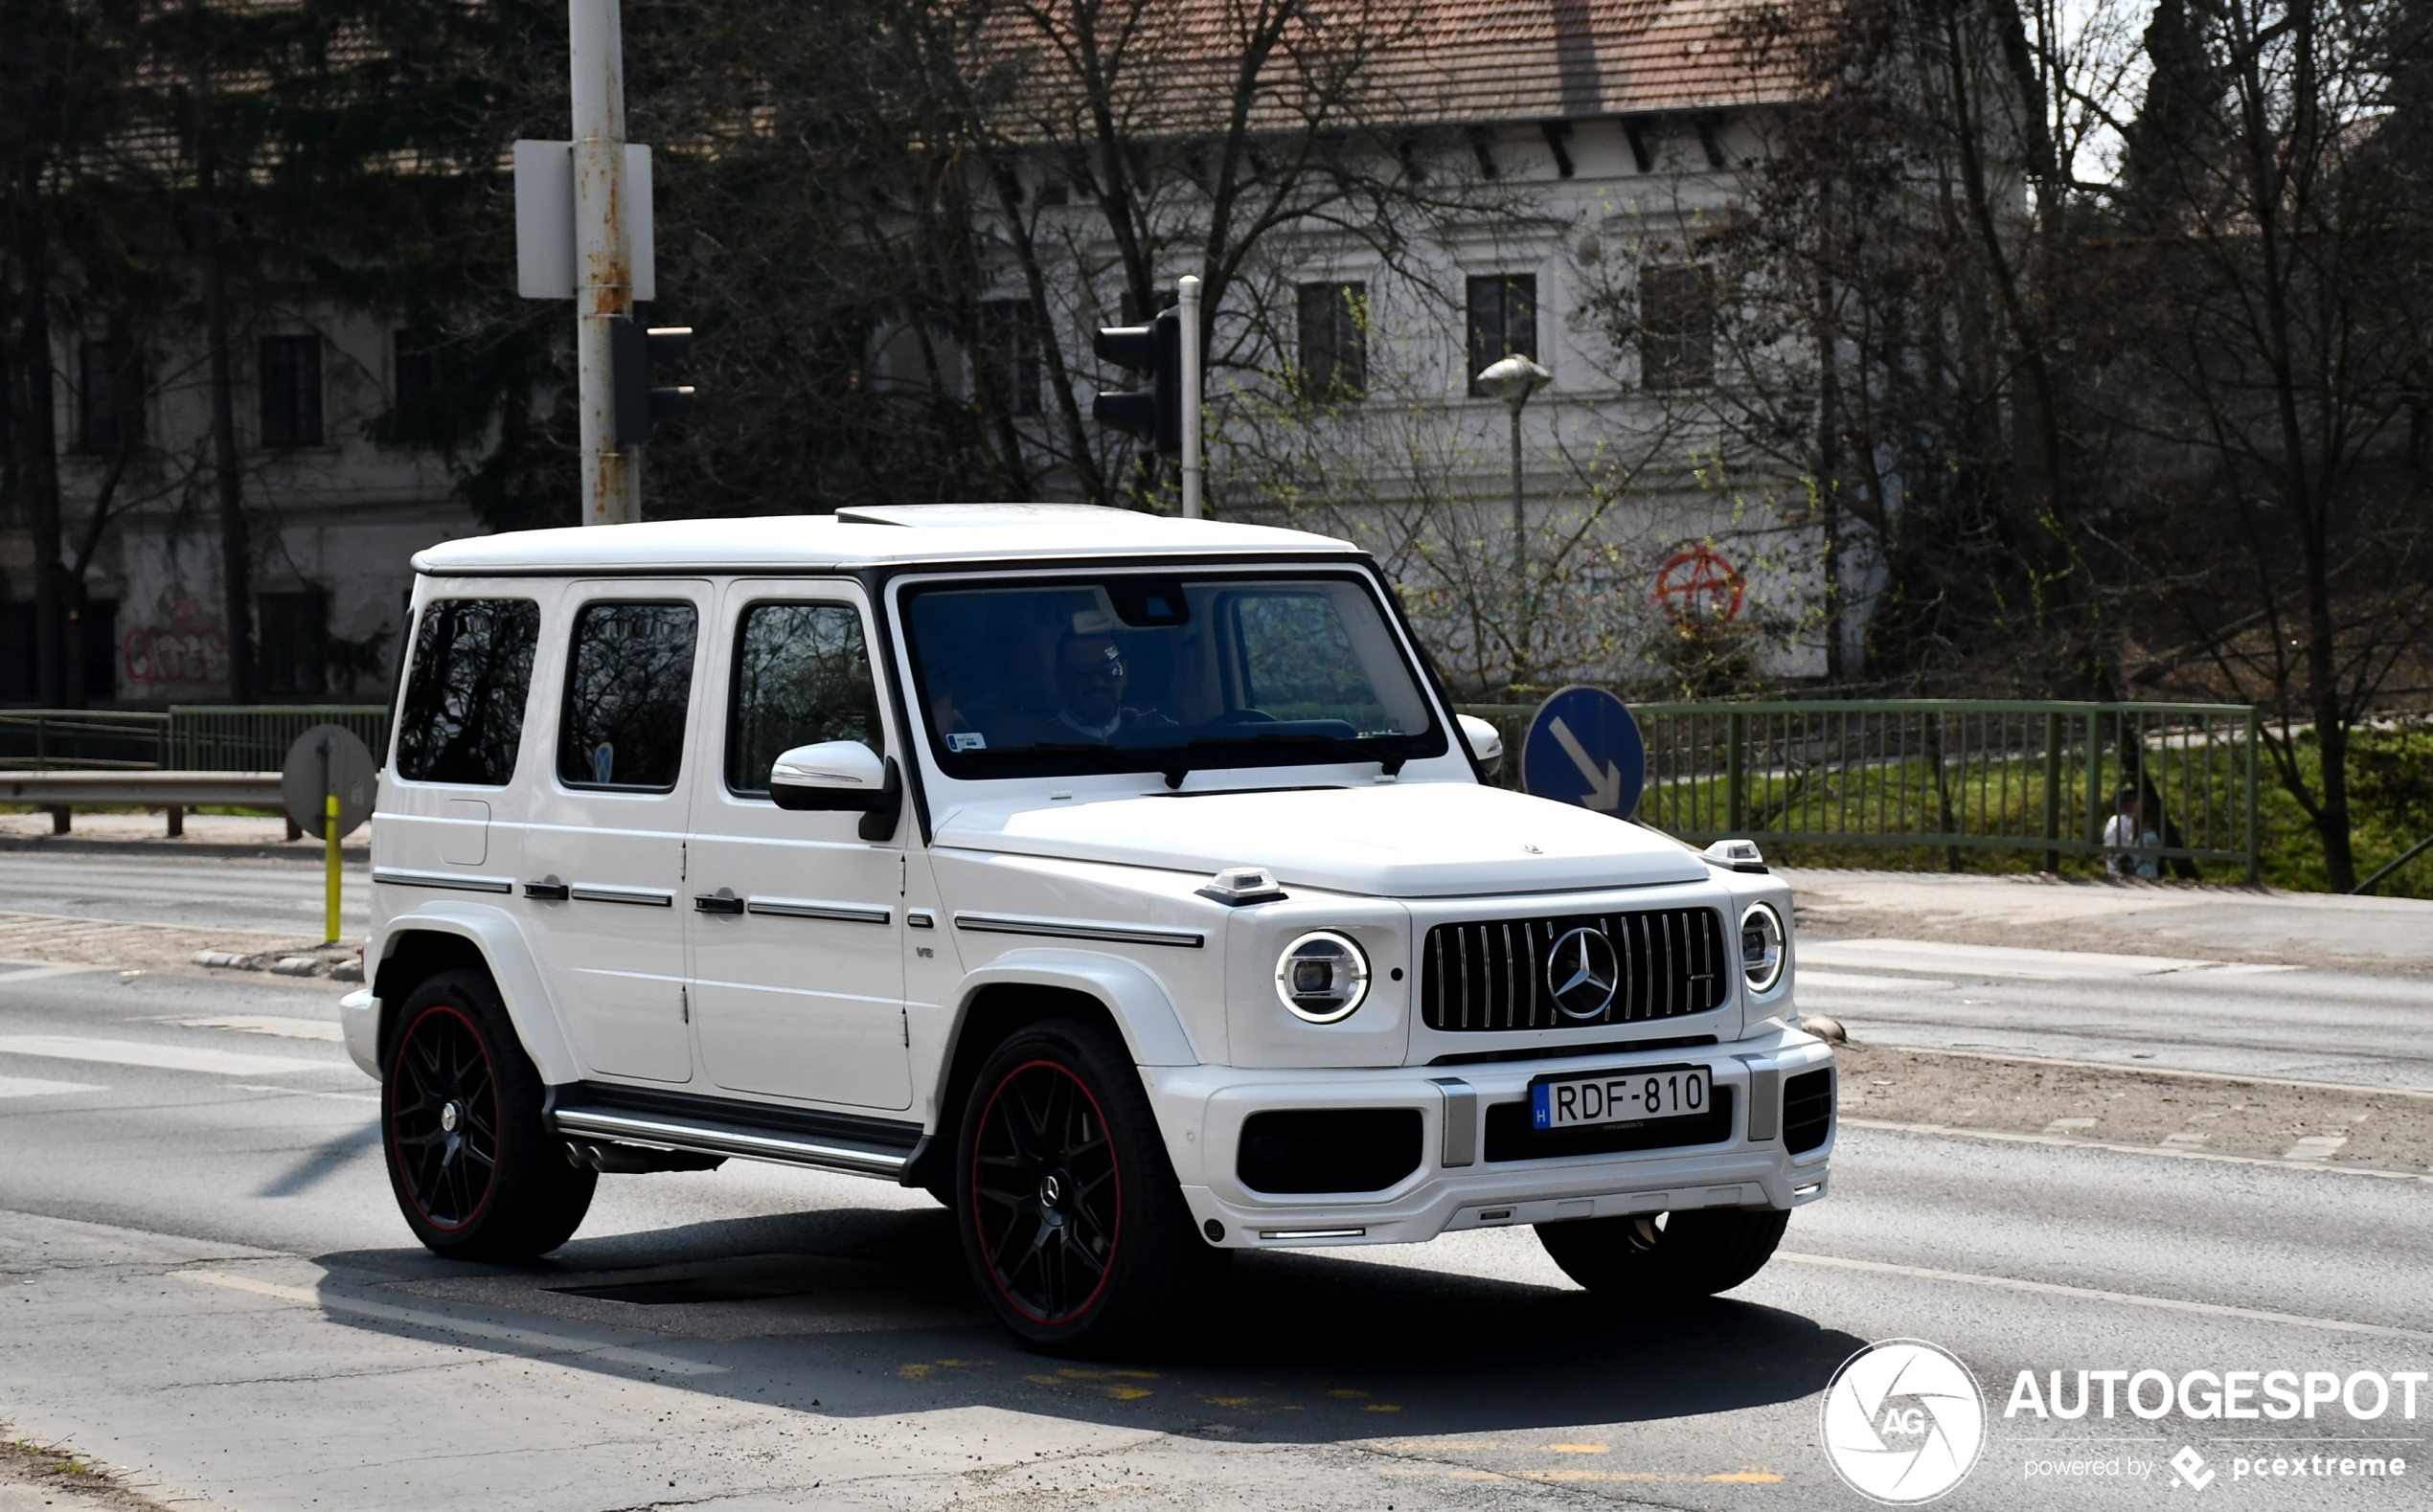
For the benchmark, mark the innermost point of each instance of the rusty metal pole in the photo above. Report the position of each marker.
(603, 280)
(1186, 294)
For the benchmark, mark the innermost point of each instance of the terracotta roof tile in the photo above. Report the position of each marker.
(1448, 61)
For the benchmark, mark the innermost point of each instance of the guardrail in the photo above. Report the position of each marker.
(1949, 774)
(60, 792)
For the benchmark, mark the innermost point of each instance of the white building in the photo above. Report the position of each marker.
(1598, 136)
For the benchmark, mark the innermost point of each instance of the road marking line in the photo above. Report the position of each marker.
(299, 1092)
(2170, 1304)
(264, 1023)
(160, 1057)
(2168, 1152)
(526, 1338)
(30, 1087)
(2012, 1058)
(2014, 960)
(1832, 982)
(18, 972)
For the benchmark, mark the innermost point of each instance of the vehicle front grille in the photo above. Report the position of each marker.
(1807, 1110)
(1667, 963)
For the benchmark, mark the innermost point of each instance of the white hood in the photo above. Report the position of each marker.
(1401, 840)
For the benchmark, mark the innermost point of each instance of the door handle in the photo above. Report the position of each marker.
(718, 903)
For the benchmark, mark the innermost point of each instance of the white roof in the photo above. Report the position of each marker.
(907, 533)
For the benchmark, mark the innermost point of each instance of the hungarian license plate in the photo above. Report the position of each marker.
(1596, 1098)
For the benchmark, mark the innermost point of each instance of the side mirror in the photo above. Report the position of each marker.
(840, 776)
(1487, 743)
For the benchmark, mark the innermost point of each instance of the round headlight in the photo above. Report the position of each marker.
(1762, 947)
(1322, 977)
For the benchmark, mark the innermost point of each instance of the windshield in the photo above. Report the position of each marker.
(1171, 674)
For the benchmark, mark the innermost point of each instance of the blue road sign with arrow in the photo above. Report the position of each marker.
(1584, 748)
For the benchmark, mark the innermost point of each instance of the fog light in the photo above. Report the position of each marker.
(1322, 977)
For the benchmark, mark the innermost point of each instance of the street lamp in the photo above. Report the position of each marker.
(1514, 379)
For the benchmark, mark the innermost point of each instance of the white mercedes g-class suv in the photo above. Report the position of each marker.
(1129, 883)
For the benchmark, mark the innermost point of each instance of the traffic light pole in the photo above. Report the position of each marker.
(1187, 290)
(603, 263)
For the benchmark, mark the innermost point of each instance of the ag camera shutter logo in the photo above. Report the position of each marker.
(1904, 1421)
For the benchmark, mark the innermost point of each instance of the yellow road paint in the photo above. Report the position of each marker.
(1579, 1449)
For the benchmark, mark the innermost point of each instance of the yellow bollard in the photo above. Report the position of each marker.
(329, 861)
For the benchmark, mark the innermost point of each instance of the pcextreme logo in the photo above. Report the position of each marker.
(1903, 1421)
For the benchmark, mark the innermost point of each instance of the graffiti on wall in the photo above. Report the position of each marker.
(1698, 586)
(181, 648)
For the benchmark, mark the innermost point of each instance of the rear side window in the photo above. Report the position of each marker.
(463, 718)
(802, 676)
(627, 686)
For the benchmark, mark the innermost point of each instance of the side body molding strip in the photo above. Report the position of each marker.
(813, 907)
(443, 881)
(1078, 929)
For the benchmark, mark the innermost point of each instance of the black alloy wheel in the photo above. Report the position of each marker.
(477, 1172)
(443, 1119)
(1048, 1206)
(1073, 1226)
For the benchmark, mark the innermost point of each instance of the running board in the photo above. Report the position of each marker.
(880, 1147)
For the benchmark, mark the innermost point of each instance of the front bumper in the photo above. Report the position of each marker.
(1202, 1109)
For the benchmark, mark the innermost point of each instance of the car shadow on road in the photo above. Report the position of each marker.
(859, 1312)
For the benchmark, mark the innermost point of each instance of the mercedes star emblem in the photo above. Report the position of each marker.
(1582, 971)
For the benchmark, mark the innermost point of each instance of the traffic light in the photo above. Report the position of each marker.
(1155, 414)
(634, 351)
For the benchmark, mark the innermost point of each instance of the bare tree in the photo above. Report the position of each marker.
(2274, 225)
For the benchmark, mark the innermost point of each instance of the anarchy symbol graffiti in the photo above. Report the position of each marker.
(1697, 586)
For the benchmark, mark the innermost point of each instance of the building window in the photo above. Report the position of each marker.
(17, 681)
(1676, 326)
(1335, 341)
(109, 409)
(1503, 322)
(413, 393)
(95, 627)
(290, 392)
(295, 632)
(1005, 372)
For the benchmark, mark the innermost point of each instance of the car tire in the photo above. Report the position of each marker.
(1073, 1223)
(1666, 1256)
(476, 1172)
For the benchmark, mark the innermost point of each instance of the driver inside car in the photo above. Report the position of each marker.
(1091, 677)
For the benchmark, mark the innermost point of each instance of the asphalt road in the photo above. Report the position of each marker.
(2289, 1022)
(206, 1284)
(159, 886)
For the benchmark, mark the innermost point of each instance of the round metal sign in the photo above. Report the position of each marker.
(351, 773)
(1584, 748)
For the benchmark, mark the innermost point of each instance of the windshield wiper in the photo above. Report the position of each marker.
(1349, 750)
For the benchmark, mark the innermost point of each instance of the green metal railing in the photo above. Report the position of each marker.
(1946, 773)
(191, 737)
(255, 737)
(39, 739)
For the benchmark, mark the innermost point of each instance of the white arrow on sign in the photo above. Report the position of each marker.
(1604, 788)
